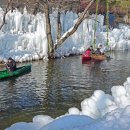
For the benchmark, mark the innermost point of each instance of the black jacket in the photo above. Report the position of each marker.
(11, 65)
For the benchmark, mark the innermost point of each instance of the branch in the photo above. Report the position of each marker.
(6, 11)
(74, 28)
(36, 8)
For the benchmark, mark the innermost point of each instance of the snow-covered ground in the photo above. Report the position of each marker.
(99, 112)
(24, 38)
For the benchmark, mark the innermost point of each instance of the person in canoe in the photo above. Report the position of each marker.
(92, 50)
(11, 65)
(88, 52)
(101, 49)
(98, 52)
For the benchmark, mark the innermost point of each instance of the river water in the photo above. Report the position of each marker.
(54, 86)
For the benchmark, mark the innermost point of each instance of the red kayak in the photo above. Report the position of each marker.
(86, 57)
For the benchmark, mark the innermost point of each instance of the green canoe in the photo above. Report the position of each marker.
(19, 71)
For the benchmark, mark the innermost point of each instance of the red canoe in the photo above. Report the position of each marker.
(85, 57)
(93, 57)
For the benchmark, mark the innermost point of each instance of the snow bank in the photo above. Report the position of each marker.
(101, 111)
(23, 37)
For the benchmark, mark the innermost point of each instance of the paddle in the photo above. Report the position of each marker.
(108, 57)
(7, 67)
(2, 64)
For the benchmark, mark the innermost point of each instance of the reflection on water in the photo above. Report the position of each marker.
(54, 86)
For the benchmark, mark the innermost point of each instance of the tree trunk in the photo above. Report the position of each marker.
(48, 31)
(60, 39)
(59, 28)
(8, 7)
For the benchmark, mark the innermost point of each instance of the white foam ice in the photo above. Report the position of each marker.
(23, 37)
(100, 111)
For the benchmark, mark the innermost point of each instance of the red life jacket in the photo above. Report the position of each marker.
(88, 53)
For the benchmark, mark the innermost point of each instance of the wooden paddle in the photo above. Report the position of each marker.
(2, 65)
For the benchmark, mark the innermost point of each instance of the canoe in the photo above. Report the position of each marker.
(98, 57)
(19, 71)
(85, 57)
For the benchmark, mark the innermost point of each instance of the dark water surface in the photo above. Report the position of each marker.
(54, 86)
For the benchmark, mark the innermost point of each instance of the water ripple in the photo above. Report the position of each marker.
(54, 86)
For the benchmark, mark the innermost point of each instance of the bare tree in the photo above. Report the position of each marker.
(75, 27)
(7, 9)
(52, 46)
(11, 5)
(46, 6)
